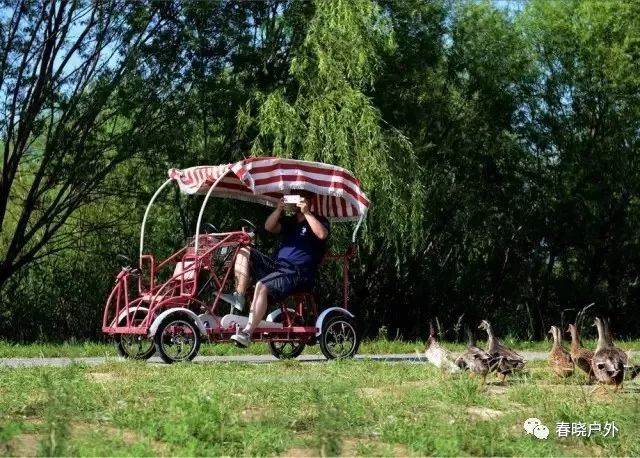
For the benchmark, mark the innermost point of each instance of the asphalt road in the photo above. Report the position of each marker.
(254, 359)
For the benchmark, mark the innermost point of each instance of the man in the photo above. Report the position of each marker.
(304, 236)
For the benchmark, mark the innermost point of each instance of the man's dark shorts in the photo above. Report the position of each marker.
(280, 278)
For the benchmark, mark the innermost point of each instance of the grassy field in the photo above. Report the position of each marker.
(364, 408)
(378, 346)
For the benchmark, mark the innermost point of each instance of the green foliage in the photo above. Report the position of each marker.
(499, 148)
(331, 118)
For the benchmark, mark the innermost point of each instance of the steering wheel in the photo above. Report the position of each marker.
(129, 267)
(212, 227)
(249, 223)
(126, 259)
(258, 232)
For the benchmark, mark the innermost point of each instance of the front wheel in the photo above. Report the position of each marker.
(339, 338)
(135, 346)
(177, 339)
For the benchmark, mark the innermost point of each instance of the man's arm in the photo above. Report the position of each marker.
(320, 230)
(272, 224)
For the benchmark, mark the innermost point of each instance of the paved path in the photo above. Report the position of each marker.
(255, 359)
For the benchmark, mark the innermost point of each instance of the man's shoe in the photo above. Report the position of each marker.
(235, 299)
(242, 339)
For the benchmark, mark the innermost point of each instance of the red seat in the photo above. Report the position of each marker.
(182, 272)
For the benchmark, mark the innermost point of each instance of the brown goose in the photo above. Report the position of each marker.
(581, 357)
(608, 360)
(559, 358)
(474, 359)
(506, 361)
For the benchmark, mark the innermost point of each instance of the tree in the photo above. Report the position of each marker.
(69, 72)
(583, 127)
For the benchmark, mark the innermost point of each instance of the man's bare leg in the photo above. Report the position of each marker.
(256, 314)
(258, 308)
(242, 276)
(241, 271)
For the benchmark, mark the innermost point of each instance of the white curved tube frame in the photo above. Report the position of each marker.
(355, 231)
(204, 204)
(146, 214)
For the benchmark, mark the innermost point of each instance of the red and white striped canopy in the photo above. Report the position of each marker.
(266, 179)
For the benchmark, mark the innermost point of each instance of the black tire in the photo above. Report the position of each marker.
(288, 349)
(339, 337)
(126, 343)
(169, 342)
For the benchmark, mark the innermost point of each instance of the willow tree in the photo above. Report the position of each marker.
(327, 114)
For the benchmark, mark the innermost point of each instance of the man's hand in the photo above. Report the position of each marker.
(272, 223)
(316, 226)
(303, 205)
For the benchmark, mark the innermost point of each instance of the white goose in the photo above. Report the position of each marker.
(437, 355)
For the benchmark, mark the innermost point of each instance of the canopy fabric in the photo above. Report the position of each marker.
(266, 179)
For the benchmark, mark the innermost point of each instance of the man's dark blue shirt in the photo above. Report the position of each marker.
(300, 247)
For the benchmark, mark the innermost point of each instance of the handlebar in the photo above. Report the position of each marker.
(124, 258)
(132, 271)
(250, 223)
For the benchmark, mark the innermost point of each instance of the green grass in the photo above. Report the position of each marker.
(10, 350)
(128, 408)
(377, 346)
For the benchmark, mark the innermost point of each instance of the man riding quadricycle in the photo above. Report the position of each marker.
(172, 317)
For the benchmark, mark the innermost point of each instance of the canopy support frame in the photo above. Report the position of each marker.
(204, 204)
(355, 231)
(146, 214)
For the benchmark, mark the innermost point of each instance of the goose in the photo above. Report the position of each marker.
(559, 358)
(608, 360)
(437, 355)
(506, 361)
(474, 359)
(581, 357)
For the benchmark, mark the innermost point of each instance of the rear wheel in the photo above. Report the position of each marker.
(177, 339)
(287, 349)
(339, 338)
(135, 346)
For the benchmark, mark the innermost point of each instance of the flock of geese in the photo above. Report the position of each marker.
(608, 364)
